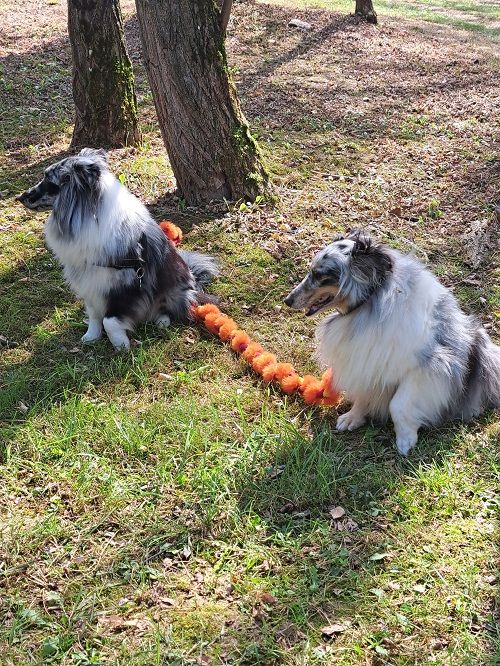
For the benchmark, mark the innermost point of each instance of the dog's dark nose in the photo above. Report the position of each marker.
(288, 300)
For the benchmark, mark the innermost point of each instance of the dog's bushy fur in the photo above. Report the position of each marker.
(399, 343)
(115, 257)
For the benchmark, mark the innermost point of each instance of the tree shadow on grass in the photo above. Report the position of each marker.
(310, 41)
(43, 361)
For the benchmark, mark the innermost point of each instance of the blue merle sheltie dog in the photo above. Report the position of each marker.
(398, 343)
(115, 256)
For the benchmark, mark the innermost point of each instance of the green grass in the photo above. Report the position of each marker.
(164, 507)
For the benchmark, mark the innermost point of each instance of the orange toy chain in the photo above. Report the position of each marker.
(314, 391)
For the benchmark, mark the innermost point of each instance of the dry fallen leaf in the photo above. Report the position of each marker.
(166, 601)
(116, 623)
(347, 525)
(140, 624)
(332, 629)
(204, 660)
(163, 376)
(268, 598)
(112, 622)
(337, 512)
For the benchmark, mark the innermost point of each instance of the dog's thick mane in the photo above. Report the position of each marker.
(370, 266)
(80, 178)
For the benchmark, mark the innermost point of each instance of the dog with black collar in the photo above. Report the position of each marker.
(115, 256)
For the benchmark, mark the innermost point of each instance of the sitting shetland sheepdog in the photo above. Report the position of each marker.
(115, 256)
(399, 343)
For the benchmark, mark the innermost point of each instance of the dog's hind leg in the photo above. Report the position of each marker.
(117, 332)
(355, 417)
(418, 401)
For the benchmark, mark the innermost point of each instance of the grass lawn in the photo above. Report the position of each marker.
(164, 507)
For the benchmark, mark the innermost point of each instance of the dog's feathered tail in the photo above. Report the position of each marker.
(203, 267)
(482, 384)
(491, 373)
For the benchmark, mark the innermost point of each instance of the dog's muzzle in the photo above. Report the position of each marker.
(34, 199)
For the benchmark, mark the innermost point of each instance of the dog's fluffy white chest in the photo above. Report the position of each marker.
(373, 350)
(85, 263)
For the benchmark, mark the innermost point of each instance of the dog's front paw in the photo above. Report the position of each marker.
(163, 321)
(116, 333)
(91, 336)
(350, 421)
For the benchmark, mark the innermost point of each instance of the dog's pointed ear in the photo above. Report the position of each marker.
(86, 176)
(362, 241)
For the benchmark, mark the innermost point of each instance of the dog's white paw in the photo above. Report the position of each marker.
(121, 345)
(91, 336)
(405, 442)
(94, 332)
(163, 321)
(116, 333)
(350, 421)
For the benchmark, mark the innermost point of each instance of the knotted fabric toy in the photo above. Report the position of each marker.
(314, 391)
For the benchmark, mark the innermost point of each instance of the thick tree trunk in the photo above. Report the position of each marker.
(212, 152)
(365, 9)
(103, 80)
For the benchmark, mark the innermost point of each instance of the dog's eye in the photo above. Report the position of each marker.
(51, 188)
(316, 275)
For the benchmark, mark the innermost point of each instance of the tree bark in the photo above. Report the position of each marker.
(103, 80)
(211, 150)
(225, 13)
(365, 9)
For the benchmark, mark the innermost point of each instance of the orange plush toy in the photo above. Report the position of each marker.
(314, 391)
(171, 231)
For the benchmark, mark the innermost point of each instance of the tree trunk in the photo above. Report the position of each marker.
(225, 13)
(211, 150)
(365, 9)
(103, 80)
